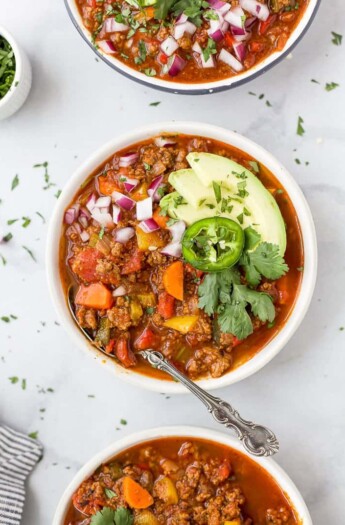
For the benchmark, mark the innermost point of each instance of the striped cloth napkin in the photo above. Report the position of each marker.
(18, 456)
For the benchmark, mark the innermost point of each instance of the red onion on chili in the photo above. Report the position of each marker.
(144, 209)
(149, 225)
(103, 202)
(169, 46)
(250, 22)
(235, 17)
(111, 26)
(217, 36)
(130, 184)
(174, 249)
(152, 189)
(123, 201)
(91, 201)
(123, 235)
(256, 8)
(181, 18)
(199, 56)
(102, 218)
(71, 215)
(116, 214)
(177, 230)
(230, 60)
(128, 159)
(163, 142)
(84, 236)
(83, 221)
(84, 212)
(240, 50)
(119, 291)
(185, 27)
(106, 46)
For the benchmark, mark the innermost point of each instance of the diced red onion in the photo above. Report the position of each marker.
(240, 50)
(250, 22)
(163, 142)
(106, 46)
(116, 214)
(130, 184)
(185, 27)
(225, 26)
(218, 4)
(216, 24)
(177, 230)
(199, 56)
(174, 249)
(224, 9)
(119, 291)
(84, 212)
(128, 159)
(91, 201)
(181, 18)
(169, 46)
(83, 221)
(123, 235)
(235, 17)
(144, 209)
(175, 65)
(77, 227)
(102, 218)
(149, 225)
(256, 8)
(111, 26)
(103, 202)
(84, 236)
(71, 215)
(123, 201)
(154, 186)
(217, 36)
(238, 31)
(230, 60)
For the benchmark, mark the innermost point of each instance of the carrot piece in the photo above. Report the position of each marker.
(161, 220)
(106, 185)
(173, 280)
(166, 305)
(135, 495)
(96, 295)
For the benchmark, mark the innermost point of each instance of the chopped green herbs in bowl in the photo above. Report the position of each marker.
(7, 66)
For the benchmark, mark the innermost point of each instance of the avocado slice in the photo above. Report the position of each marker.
(247, 200)
(187, 183)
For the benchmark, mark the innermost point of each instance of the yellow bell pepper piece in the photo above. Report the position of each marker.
(145, 518)
(146, 299)
(135, 310)
(237, 521)
(164, 488)
(183, 323)
(140, 193)
(147, 240)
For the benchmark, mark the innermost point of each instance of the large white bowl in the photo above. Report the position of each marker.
(107, 454)
(204, 87)
(233, 139)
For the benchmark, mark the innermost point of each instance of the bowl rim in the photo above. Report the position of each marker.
(205, 87)
(19, 65)
(232, 138)
(183, 431)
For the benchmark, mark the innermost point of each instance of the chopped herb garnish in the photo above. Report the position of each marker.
(7, 237)
(300, 128)
(150, 72)
(337, 38)
(33, 435)
(15, 182)
(41, 216)
(14, 379)
(330, 86)
(30, 253)
(123, 422)
(155, 104)
(217, 191)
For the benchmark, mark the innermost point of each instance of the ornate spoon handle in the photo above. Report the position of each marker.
(256, 439)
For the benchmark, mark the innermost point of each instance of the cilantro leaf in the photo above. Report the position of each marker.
(208, 293)
(252, 238)
(106, 516)
(300, 129)
(162, 8)
(261, 303)
(265, 261)
(123, 516)
(234, 319)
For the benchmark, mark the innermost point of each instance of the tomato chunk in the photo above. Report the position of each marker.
(134, 263)
(124, 353)
(166, 305)
(147, 339)
(84, 264)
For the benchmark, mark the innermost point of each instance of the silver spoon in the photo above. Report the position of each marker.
(256, 439)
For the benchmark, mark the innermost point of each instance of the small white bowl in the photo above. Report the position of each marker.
(270, 466)
(238, 141)
(21, 85)
(202, 87)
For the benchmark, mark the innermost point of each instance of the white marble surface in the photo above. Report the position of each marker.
(76, 104)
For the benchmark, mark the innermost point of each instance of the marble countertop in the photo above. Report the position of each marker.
(76, 104)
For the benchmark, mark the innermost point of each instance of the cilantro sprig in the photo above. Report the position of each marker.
(264, 261)
(108, 516)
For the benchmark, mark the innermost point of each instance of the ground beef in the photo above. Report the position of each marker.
(87, 317)
(119, 315)
(208, 359)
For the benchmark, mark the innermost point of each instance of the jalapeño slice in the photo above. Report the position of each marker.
(213, 244)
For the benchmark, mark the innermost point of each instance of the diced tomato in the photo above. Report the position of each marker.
(147, 339)
(166, 305)
(110, 346)
(256, 47)
(224, 470)
(124, 353)
(228, 39)
(134, 262)
(263, 26)
(236, 342)
(162, 58)
(84, 264)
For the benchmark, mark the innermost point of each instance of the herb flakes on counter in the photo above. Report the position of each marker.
(15, 182)
(331, 85)
(337, 38)
(30, 253)
(300, 129)
(7, 67)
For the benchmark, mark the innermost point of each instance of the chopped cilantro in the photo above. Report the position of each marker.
(33, 435)
(300, 128)
(337, 38)
(30, 253)
(155, 104)
(14, 379)
(264, 261)
(330, 86)
(15, 182)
